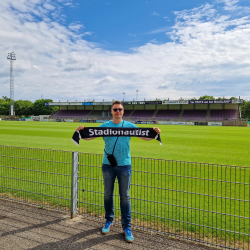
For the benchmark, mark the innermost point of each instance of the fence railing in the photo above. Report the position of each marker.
(201, 202)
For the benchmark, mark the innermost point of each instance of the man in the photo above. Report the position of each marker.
(122, 171)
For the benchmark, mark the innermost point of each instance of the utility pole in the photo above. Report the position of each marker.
(123, 96)
(137, 95)
(11, 57)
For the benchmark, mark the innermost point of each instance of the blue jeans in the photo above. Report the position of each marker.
(123, 174)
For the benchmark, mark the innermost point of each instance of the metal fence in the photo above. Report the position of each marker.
(201, 202)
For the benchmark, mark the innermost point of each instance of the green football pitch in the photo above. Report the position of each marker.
(206, 144)
(215, 197)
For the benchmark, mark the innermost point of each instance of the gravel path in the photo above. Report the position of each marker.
(28, 227)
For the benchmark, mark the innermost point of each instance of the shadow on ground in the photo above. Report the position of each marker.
(28, 227)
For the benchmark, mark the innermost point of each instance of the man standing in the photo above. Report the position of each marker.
(122, 171)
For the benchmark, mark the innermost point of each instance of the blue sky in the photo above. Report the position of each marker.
(94, 49)
(122, 25)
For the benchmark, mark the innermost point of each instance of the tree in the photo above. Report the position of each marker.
(4, 106)
(206, 97)
(221, 98)
(23, 107)
(39, 107)
(245, 110)
(5, 98)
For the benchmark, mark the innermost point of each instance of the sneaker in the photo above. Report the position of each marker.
(128, 235)
(106, 228)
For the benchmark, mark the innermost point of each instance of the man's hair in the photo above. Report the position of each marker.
(116, 102)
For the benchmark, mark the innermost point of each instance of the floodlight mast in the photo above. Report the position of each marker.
(11, 57)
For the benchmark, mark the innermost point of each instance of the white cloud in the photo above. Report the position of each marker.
(229, 4)
(159, 30)
(68, 4)
(155, 14)
(76, 26)
(49, 6)
(39, 68)
(131, 34)
(88, 33)
(154, 41)
(209, 54)
(106, 80)
(167, 18)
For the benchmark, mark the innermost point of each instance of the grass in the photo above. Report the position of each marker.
(217, 145)
(166, 195)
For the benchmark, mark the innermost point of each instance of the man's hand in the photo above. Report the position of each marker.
(157, 130)
(80, 127)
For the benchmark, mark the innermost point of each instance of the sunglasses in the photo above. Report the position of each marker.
(115, 110)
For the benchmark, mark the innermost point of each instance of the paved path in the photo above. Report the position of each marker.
(28, 227)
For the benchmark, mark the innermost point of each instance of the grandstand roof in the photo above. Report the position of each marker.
(172, 102)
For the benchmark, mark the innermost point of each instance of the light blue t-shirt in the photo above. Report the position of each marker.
(122, 148)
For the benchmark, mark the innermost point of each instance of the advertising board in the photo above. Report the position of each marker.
(145, 122)
(35, 118)
(100, 121)
(63, 103)
(141, 102)
(87, 103)
(102, 103)
(214, 123)
(175, 102)
(175, 123)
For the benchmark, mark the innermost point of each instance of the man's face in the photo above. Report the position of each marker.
(117, 114)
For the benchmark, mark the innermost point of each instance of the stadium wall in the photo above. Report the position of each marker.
(98, 107)
(162, 107)
(79, 107)
(138, 107)
(63, 107)
(126, 107)
(72, 107)
(201, 106)
(235, 123)
(174, 107)
(217, 106)
(150, 107)
(188, 107)
(88, 107)
(231, 106)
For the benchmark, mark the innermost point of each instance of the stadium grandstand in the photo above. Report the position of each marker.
(197, 112)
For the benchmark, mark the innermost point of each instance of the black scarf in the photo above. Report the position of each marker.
(93, 132)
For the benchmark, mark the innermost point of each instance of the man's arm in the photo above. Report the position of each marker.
(81, 127)
(156, 129)
(145, 139)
